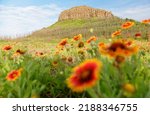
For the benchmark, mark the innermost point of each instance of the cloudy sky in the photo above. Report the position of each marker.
(20, 17)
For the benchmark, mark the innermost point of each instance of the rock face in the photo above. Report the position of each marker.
(84, 12)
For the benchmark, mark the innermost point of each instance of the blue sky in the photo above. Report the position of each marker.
(19, 17)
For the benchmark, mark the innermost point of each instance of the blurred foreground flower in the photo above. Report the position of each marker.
(84, 75)
(119, 47)
(13, 75)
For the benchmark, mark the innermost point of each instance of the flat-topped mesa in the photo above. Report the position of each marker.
(84, 12)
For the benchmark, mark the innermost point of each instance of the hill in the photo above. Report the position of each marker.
(83, 19)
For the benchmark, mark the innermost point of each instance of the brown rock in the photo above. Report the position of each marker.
(84, 12)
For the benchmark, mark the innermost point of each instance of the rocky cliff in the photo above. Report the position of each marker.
(84, 12)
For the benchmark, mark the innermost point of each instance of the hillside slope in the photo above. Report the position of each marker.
(83, 19)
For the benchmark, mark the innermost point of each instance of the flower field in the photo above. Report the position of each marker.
(76, 67)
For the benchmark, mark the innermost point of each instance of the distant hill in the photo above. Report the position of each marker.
(83, 19)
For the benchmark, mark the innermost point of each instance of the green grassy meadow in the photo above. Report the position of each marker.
(77, 66)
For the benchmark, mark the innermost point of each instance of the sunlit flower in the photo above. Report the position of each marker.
(116, 33)
(13, 75)
(81, 52)
(127, 25)
(80, 44)
(146, 21)
(127, 87)
(84, 75)
(91, 30)
(70, 60)
(78, 37)
(93, 38)
(63, 42)
(7, 47)
(55, 63)
(57, 52)
(138, 35)
(20, 51)
(39, 53)
(118, 47)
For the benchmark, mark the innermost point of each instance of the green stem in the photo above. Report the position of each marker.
(92, 93)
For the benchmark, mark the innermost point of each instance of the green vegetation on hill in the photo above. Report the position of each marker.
(102, 28)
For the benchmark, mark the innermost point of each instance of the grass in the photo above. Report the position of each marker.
(40, 78)
(44, 68)
(102, 28)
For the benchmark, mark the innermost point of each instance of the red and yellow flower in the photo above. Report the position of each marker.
(84, 75)
(39, 53)
(93, 38)
(146, 21)
(78, 37)
(138, 35)
(116, 33)
(13, 75)
(127, 25)
(63, 42)
(20, 51)
(119, 47)
(128, 87)
(7, 47)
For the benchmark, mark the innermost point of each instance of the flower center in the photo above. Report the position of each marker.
(85, 76)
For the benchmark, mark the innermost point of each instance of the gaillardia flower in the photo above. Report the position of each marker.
(84, 75)
(127, 25)
(93, 38)
(117, 48)
(20, 51)
(63, 42)
(80, 44)
(13, 75)
(7, 47)
(128, 88)
(78, 37)
(146, 21)
(116, 33)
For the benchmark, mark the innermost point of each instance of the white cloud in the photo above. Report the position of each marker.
(16, 21)
(138, 13)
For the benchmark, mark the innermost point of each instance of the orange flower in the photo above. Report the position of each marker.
(78, 37)
(81, 52)
(13, 75)
(6, 48)
(138, 35)
(128, 88)
(55, 63)
(39, 53)
(70, 60)
(84, 76)
(63, 42)
(80, 44)
(146, 21)
(93, 38)
(127, 25)
(119, 47)
(116, 33)
(20, 51)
